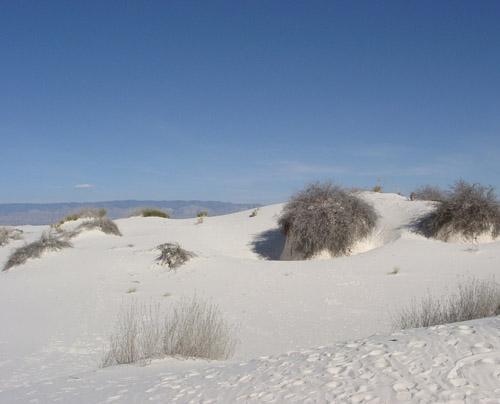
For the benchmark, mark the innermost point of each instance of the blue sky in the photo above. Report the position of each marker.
(245, 101)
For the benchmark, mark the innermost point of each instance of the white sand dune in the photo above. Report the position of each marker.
(57, 312)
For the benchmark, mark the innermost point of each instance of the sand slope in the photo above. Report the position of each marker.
(57, 312)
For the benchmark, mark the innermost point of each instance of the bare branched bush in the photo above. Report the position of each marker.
(194, 328)
(429, 193)
(47, 242)
(105, 225)
(325, 217)
(7, 235)
(471, 299)
(149, 212)
(471, 210)
(173, 255)
(137, 335)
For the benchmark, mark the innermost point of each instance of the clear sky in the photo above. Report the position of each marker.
(245, 101)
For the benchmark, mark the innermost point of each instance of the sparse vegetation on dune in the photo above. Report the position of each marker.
(325, 217)
(194, 328)
(7, 235)
(105, 225)
(85, 213)
(470, 300)
(47, 242)
(469, 211)
(173, 255)
(429, 193)
(149, 212)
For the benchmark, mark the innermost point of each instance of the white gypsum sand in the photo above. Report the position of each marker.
(58, 311)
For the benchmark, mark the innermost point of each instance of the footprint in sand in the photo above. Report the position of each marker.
(403, 385)
(481, 370)
(336, 370)
(440, 359)
(416, 344)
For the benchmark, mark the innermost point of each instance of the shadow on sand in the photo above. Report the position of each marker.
(269, 244)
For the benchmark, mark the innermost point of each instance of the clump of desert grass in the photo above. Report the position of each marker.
(7, 235)
(194, 328)
(470, 299)
(47, 242)
(103, 224)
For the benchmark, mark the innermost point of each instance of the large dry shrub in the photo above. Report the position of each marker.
(325, 217)
(470, 210)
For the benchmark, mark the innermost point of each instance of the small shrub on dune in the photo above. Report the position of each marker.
(173, 255)
(201, 216)
(470, 300)
(150, 212)
(470, 210)
(7, 235)
(155, 213)
(47, 242)
(105, 225)
(378, 188)
(85, 213)
(429, 193)
(325, 217)
(195, 328)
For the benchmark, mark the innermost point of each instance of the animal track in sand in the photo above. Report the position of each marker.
(416, 344)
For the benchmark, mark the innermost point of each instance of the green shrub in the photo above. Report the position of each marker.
(201, 215)
(149, 212)
(325, 217)
(155, 213)
(470, 210)
(378, 187)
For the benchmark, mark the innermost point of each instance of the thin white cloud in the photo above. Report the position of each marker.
(83, 186)
(295, 167)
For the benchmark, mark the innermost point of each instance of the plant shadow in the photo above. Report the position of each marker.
(269, 244)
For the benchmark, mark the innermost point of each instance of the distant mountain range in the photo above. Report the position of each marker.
(17, 214)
